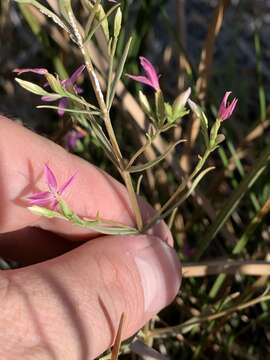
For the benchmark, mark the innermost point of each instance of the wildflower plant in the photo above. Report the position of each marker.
(93, 116)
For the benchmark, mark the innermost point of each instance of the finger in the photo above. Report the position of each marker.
(32, 245)
(22, 158)
(69, 307)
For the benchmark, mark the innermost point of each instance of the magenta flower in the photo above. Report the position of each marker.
(67, 83)
(50, 197)
(226, 109)
(150, 78)
(40, 71)
(71, 139)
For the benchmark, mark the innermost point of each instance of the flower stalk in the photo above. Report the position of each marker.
(162, 115)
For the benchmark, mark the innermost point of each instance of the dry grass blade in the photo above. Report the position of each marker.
(205, 65)
(231, 203)
(182, 36)
(252, 268)
(117, 342)
(204, 70)
(190, 324)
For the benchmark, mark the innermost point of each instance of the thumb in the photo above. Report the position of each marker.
(69, 307)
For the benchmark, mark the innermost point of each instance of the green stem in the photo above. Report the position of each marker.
(164, 209)
(117, 152)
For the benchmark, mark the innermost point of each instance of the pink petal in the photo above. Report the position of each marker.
(40, 71)
(71, 139)
(51, 179)
(141, 79)
(40, 195)
(66, 184)
(62, 105)
(54, 204)
(42, 202)
(78, 89)
(225, 109)
(49, 98)
(232, 106)
(76, 74)
(150, 72)
(223, 104)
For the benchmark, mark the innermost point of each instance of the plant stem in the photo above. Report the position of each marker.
(148, 142)
(117, 152)
(164, 209)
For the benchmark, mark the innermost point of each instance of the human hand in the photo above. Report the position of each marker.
(67, 302)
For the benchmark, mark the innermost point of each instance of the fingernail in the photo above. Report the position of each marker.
(160, 274)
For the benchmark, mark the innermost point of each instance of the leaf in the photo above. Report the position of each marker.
(220, 138)
(203, 120)
(214, 133)
(181, 100)
(145, 103)
(229, 206)
(76, 111)
(67, 212)
(46, 12)
(168, 111)
(100, 21)
(119, 72)
(160, 108)
(35, 89)
(117, 23)
(42, 211)
(55, 84)
(103, 141)
(150, 164)
(109, 230)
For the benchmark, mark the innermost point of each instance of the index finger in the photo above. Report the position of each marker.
(22, 158)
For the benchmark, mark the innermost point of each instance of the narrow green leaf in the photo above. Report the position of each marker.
(46, 12)
(55, 84)
(117, 23)
(119, 72)
(150, 164)
(76, 111)
(33, 88)
(103, 141)
(230, 205)
(145, 103)
(42, 211)
(160, 108)
(100, 21)
(109, 230)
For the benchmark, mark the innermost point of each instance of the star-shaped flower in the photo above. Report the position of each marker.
(226, 109)
(50, 197)
(67, 83)
(150, 78)
(71, 139)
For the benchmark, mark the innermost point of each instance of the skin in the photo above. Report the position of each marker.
(67, 299)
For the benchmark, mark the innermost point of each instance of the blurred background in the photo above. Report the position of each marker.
(212, 46)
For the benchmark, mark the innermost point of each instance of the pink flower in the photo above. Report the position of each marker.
(71, 139)
(67, 83)
(150, 78)
(40, 71)
(50, 197)
(226, 109)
